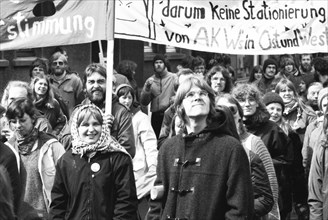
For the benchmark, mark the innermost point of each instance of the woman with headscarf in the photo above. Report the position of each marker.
(94, 179)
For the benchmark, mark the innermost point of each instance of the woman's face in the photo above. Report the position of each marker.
(37, 71)
(275, 111)
(89, 130)
(23, 126)
(126, 100)
(249, 105)
(41, 87)
(258, 75)
(287, 94)
(196, 102)
(289, 68)
(218, 82)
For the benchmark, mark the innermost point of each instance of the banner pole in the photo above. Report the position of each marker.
(110, 57)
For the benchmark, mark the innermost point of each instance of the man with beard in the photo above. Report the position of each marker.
(158, 90)
(269, 80)
(95, 87)
(68, 85)
(305, 73)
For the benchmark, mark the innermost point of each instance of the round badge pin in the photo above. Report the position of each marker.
(95, 167)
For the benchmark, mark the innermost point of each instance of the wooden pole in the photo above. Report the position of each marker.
(110, 56)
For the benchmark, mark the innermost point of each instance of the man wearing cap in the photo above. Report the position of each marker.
(158, 90)
(269, 80)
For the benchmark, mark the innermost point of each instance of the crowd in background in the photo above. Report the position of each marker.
(211, 147)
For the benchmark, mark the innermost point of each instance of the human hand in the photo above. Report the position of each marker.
(7, 133)
(148, 83)
(109, 119)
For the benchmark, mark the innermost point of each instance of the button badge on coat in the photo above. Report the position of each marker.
(95, 167)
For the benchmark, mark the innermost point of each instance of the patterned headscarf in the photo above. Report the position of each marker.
(105, 143)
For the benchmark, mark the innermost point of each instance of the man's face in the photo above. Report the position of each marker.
(200, 70)
(59, 66)
(96, 88)
(306, 62)
(313, 93)
(270, 71)
(159, 66)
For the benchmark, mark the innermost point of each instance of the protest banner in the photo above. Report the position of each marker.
(233, 27)
(72, 22)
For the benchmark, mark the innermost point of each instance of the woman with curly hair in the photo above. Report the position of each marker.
(257, 121)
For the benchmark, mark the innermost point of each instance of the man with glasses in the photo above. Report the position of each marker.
(68, 85)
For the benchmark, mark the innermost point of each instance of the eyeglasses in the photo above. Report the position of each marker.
(192, 94)
(59, 63)
(250, 100)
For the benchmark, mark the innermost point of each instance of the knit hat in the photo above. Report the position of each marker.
(122, 86)
(268, 62)
(322, 94)
(159, 57)
(272, 97)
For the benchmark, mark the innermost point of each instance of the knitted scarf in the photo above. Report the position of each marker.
(289, 107)
(105, 143)
(26, 143)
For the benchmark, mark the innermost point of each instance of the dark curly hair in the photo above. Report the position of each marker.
(321, 65)
(127, 68)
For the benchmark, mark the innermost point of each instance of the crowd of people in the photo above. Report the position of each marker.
(211, 147)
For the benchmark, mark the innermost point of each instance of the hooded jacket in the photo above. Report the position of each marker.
(161, 90)
(211, 165)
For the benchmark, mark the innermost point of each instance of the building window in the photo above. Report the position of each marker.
(148, 47)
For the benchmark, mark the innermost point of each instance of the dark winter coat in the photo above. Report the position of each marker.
(281, 151)
(263, 198)
(205, 176)
(9, 161)
(121, 129)
(80, 193)
(52, 111)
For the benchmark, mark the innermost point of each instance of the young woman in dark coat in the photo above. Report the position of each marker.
(94, 179)
(257, 121)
